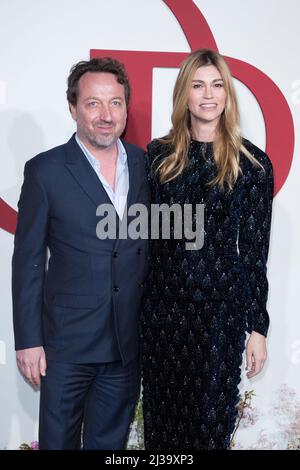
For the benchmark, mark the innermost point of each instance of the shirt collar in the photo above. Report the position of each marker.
(122, 155)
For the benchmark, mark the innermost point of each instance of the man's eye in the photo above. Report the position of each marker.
(219, 85)
(92, 104)
(116, 103)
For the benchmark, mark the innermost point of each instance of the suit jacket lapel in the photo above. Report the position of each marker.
(134, 180)
(84, 174)
(86, 177)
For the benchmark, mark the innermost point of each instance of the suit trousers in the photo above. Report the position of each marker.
(87, 406)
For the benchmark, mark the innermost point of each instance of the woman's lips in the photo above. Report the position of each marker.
(208, 107)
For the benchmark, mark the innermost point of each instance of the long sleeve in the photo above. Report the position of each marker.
(254, 238)
(28, 263)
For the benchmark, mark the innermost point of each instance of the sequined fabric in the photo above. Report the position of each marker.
(199, 304)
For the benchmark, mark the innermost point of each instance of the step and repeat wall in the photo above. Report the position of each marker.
(40, 41)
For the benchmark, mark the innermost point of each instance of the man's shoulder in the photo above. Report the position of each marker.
(133, 149)
(44, 160)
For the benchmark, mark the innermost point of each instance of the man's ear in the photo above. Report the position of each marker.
(73, 112)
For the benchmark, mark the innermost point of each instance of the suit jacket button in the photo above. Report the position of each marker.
(115, 254)
(116, 289)
(139, 251)
(141, 284)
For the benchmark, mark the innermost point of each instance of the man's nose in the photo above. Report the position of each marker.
(105, 112)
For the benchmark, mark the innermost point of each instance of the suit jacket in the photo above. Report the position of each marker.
(84, 306)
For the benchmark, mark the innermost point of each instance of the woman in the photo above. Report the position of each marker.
(200, 303)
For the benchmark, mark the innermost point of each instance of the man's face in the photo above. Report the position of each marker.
(100, 112)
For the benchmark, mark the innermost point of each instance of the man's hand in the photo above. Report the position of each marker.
(256, 354)
(32, 364)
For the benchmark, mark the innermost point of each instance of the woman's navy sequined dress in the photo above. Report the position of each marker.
(199, 304)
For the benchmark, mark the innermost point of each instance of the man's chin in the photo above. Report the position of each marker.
(103, 143)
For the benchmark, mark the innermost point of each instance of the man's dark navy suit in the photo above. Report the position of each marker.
(84, 308)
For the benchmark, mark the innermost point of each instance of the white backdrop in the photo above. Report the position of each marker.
(39, 42)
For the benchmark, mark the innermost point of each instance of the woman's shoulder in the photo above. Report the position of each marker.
(258, 154)
(157, 148)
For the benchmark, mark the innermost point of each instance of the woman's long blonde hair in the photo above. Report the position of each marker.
(227, 143)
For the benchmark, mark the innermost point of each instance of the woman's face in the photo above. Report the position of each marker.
(207, 96)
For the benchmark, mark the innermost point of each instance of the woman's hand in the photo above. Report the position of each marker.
(256, 354)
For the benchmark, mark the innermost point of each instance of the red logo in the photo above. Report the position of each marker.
(139, 64)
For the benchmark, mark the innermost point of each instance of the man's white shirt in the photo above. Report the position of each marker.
(118, 197)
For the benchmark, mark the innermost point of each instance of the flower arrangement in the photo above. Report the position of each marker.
(136, 435)
(294, 445)
(285, 416)
(34, 445)
(244, 412)
(286, 409)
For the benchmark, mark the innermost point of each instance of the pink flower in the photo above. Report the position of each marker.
(34, 445)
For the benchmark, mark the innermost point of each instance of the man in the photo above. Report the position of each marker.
(76, 323)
